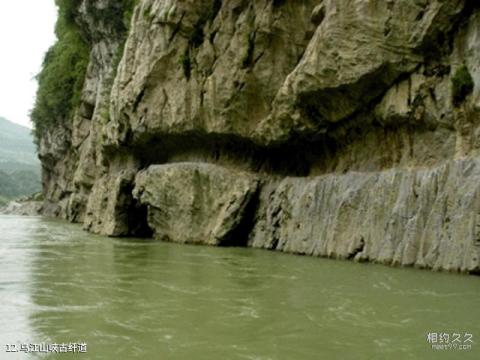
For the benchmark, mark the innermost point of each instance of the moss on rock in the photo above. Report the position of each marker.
(462, 84)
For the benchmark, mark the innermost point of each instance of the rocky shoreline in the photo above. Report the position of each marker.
(28, 208)
(346, 129)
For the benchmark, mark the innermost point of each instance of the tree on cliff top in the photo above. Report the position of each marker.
(64, 67)
(63, 73)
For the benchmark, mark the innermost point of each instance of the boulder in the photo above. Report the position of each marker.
(196, 203)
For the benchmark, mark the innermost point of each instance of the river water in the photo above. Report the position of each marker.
(142, 299)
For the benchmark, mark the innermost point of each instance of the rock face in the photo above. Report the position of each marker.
(334, 128)
(422, 217)
(196, 203)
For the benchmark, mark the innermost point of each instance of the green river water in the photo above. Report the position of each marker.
(143, 299)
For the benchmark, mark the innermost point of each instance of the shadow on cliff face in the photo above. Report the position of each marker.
(292, 159)
(239, 236)
(138, 220)
(135, 217)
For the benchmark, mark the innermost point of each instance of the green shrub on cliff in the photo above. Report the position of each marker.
(128, 6)
(68, 9)
(63, 72)
(462, 84)
(64, 66)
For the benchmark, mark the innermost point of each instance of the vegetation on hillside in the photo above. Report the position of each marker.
(19, 165)
(17, 150)
(63, 71)
(3, 201)
(18, 183)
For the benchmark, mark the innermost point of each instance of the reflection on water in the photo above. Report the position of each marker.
(16, 257)
(138, 299)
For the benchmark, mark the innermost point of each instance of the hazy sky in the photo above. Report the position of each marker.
(26, 33)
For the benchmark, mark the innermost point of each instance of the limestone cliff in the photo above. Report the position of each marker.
(339, 128)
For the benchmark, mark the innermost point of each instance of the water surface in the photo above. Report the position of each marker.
(142, 299)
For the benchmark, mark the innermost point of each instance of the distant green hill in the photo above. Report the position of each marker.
(16, 145)
(19, 165)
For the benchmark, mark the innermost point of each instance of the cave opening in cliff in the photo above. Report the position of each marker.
(241, 233)
(136, 216)
(138, 221)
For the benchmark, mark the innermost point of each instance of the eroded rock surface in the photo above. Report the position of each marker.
(197, 203)
(318, 127)
(422, 217)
